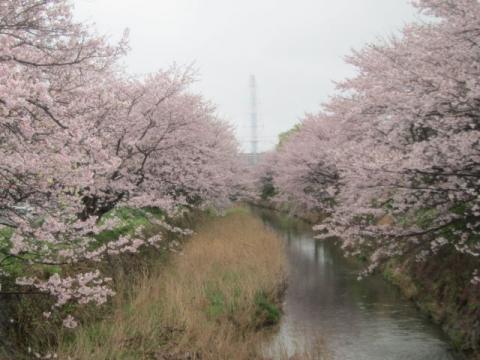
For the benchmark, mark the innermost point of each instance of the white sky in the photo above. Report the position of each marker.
(295, 48)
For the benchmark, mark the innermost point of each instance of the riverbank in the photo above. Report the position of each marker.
(211, 299)
(441, 289)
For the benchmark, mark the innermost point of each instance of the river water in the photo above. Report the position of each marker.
(352, 319)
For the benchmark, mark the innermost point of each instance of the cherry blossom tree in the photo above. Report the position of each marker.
(406, 146)
(173, 149)
(51, 71)
(78, 138)
(416, 164)
(302, 170)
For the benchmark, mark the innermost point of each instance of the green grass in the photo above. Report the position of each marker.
(216, 303)
(6, 233)
(129, 221)
(267, 312)
(238, 210)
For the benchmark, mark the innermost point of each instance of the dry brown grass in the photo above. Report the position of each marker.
(209, 302)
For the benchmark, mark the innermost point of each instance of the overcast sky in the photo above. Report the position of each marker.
(295, 48)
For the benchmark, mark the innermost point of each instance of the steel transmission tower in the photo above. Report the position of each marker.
(253, 120)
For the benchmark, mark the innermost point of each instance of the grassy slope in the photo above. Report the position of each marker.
(27, 327)
(441, 289)
(210, 300)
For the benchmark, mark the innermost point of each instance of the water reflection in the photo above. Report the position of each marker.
(358, 320)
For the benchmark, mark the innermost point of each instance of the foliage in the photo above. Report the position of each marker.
(79, 139)
(285, 136)
(394, 157)
(266, 309)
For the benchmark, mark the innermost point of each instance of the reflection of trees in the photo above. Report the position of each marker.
(287, 226)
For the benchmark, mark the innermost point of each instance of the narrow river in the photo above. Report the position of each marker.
(355, 320)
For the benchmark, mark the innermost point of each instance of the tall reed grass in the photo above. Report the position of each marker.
(213, 300)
